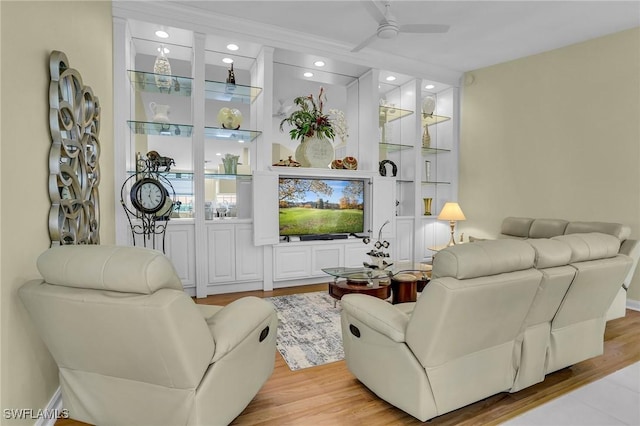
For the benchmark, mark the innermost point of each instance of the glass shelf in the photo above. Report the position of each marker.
(434, 150)
(231, 92)
(160, 129)
(231, 135)
(433, 119)
(170, 175)
(394, 147)
(146, 82)
(404, 181)
(389, 114)
(425, 182)
(225, 176)
(189, 175)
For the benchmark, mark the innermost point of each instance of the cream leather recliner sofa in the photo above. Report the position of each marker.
(496, 317)
(133, 348)
(526, 227)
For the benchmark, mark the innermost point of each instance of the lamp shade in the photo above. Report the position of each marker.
(451, 211)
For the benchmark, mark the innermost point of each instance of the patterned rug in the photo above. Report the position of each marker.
(309, 332)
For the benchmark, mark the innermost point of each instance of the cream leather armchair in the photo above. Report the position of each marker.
(133, 348)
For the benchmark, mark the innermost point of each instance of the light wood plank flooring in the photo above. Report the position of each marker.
(330, 395)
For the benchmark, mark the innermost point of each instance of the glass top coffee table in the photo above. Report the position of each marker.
(371, 281)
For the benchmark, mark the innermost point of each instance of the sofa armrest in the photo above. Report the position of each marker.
(236, 321)
(632, 249)
(381, 316)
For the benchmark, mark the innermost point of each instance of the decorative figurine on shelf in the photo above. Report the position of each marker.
(290, 162)
(350, 163)
(156, 161)
(231, 79)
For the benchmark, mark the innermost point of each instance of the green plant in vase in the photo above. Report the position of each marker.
(313, 128)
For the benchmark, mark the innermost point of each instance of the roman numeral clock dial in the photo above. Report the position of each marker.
(148, 195)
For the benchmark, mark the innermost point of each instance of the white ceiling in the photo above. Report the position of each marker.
(482, 33)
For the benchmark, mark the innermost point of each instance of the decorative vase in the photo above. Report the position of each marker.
(427, 171)
(230, 118)
(315, 152)
(162, 69)
(160, 112)
(427, 206)
(230, 163)
(300, 157)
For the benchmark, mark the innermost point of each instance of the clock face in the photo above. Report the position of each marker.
(148, 195)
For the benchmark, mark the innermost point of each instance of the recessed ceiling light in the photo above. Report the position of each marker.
(218, 154)
(390, 78)
(429, 86)
(162, 34)
(227, 60)
(232, 46)
(308, 74)
(164, 49)
(319, 63)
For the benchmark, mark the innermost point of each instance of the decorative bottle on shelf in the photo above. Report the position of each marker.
(231, 79)
(426, 137)
(428, 106)
(162, 70)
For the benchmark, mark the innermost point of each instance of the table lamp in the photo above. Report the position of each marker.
(451, 212)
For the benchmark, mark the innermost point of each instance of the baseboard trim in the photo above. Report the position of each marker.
(633, 304)
(55, 404)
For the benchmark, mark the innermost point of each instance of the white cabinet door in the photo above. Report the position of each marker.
(356, 254)
(383, 207)
(404, 240)
(249, 258)
(292, 262)
(180, 248)
(326, 256)
(221, 249)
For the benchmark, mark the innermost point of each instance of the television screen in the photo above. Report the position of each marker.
(311, 206)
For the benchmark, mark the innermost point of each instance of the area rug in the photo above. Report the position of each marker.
(309, 332)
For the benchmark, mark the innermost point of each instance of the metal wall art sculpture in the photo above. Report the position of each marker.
(74, 172)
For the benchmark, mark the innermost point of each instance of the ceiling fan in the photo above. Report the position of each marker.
(388, 25)
(282, 109)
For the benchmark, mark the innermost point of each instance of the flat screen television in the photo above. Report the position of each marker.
(318, 206)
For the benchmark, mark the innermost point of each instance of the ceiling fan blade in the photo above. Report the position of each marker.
(374, 10)
(365, 43)
(423, 28)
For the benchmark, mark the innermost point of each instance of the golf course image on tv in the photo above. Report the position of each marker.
(311, 206)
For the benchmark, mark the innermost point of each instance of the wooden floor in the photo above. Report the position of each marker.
(330, 395)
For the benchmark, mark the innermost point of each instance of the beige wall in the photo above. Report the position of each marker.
(29, 32)
(554, 135)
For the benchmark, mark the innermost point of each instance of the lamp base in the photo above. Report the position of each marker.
(452, 241)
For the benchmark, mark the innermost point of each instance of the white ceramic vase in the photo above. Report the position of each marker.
(162, 70)
(315, 152)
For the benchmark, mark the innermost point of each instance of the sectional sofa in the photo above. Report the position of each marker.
(497, 316)
(525, 227)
